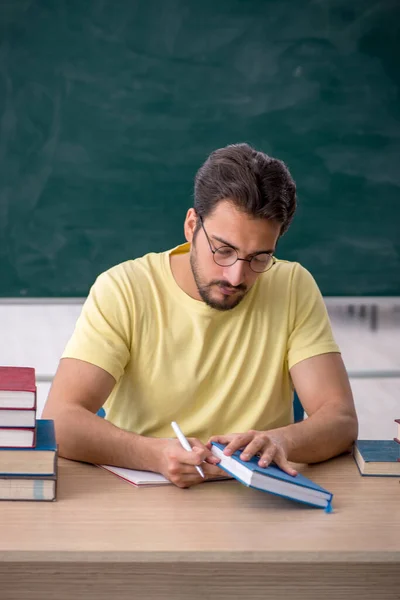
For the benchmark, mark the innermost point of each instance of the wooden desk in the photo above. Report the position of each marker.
(106, 539)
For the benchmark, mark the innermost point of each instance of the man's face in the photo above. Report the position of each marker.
(223, 287)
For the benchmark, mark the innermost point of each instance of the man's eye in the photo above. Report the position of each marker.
(262, 259)
(225, 252)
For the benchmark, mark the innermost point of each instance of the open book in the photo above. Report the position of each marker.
(272, 479)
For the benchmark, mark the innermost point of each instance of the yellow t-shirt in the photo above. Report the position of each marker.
(175, 358)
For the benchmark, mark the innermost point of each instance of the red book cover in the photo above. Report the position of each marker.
(17, 379)
(17, 388)
(33, 407)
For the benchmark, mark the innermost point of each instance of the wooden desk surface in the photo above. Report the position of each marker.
(100, 519)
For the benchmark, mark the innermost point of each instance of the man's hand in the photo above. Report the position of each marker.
(270, 446)
(178, 465)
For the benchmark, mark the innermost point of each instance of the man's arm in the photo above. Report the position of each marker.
(322, 385)
(79, 389)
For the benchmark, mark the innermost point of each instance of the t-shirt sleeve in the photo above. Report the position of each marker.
(310, 331)
(102, 334)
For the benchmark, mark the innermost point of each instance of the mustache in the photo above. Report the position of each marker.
(225, 284)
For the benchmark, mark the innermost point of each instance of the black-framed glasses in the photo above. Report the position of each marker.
(226, 256)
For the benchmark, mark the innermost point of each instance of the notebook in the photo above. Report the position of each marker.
(377, 457)
(273, 480)
(138, 478)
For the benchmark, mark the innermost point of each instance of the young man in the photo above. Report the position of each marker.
(213, 334)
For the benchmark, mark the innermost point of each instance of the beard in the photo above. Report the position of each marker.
(209, 291)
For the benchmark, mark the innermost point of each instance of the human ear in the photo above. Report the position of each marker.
(190, 224)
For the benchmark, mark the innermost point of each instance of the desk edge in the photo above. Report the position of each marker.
(35, 556)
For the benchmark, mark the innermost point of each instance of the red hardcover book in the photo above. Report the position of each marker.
(17, 437)
(17, 388)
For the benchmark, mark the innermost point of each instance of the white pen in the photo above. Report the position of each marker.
(184, 443)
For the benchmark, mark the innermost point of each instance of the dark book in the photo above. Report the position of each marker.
(377, 457)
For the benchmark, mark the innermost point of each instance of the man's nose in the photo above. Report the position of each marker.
(235, 274)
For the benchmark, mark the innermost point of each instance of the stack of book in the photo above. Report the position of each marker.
(379, 457)
(28, 450)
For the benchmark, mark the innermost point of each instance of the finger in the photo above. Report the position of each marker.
(277, 456)
(212, 472)
(283, 463)
(241, 440)
(185, 469)
(189, 457)
(186, 480)
(221, 439)
(256, 445)
(207, 455)
(181, 473)
(213, 460)
(198, 453)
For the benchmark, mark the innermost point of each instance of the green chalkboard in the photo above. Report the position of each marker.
(107, 109)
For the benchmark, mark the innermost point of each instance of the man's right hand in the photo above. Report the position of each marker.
(178, 465)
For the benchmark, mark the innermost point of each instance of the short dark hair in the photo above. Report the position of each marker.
(256, 183)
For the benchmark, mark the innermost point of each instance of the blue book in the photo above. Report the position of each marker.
(33, 462)
(377, 457)
(273, 480)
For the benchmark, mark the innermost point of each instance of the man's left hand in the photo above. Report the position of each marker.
(270, 446)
